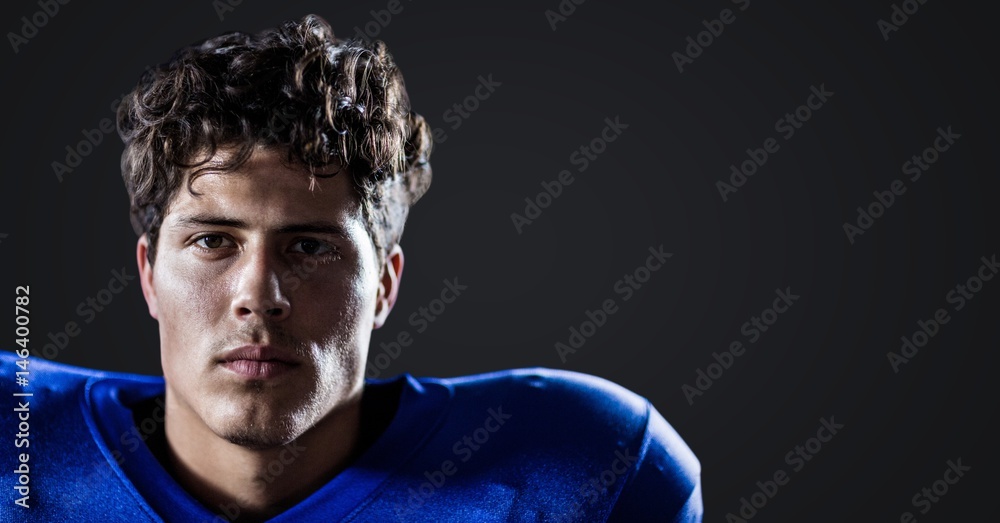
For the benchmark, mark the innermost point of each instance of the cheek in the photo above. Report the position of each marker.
(187, 300)
(341, 300)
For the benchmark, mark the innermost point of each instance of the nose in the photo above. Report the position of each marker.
(258, 288)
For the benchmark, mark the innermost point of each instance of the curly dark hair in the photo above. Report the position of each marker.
(329, 101)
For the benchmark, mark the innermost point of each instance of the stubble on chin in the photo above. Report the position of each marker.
(258, 416)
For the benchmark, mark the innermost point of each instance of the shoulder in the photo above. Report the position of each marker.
(551, 386)
(560, 403)
(556, 396)
(55, 388)
(610, 433)
(35, 374)
(64, 463)
(56, 392)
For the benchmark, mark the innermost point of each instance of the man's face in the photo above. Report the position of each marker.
(265, 293)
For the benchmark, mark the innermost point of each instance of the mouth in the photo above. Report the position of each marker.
(258, 362)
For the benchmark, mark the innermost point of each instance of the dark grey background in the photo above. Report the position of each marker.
(654, 185)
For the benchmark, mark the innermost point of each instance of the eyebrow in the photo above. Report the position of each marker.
(202, 220)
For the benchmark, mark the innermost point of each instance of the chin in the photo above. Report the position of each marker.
(261, 433)
(259, 427)
(262, 439)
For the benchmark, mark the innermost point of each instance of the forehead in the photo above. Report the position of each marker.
(267, 188)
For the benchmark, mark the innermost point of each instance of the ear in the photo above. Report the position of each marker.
(146, 274)
(388, 287)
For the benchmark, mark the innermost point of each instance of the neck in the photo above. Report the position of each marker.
(254, 484)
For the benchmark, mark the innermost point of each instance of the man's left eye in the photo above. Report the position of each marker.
(312, 247)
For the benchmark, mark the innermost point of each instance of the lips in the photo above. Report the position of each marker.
(258, 361)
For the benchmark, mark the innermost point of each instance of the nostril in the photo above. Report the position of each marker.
(272, 308)
(263, 307)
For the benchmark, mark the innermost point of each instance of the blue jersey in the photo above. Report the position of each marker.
(520, 445)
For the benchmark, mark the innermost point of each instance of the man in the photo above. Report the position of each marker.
(270, 176)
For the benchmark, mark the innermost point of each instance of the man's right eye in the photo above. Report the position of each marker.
(212, 241)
